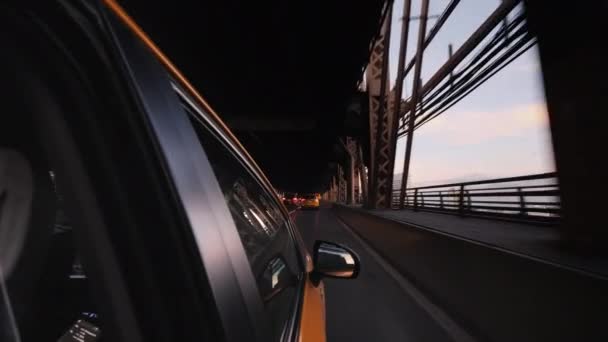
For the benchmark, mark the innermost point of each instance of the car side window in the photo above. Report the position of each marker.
(261, 225)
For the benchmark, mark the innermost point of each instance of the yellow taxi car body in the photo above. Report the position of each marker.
(310, 201)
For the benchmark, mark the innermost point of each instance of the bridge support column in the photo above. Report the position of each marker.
(356, 186)
(334, 190)
(341, 185)
(363, 180)
(330, 190)
(576, 88)
(350, 181)
(350, 146)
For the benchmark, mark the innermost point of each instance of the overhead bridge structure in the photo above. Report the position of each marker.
(366, 170)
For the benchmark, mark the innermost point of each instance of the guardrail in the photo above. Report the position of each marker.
(530, 299)
(524, 198)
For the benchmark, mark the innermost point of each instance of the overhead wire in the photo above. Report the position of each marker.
(483, 51)
(465, 75)
(483, 79)
(512, 40)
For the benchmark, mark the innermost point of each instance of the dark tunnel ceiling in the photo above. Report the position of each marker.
(280, 73)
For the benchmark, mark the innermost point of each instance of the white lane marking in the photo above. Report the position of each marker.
(453, 329)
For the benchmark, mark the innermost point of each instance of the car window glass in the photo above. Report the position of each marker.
(261, 225)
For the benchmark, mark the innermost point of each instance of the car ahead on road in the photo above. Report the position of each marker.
(310, 201)
(128, 211)
(290, 198)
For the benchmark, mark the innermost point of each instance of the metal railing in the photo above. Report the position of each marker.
(526, 198)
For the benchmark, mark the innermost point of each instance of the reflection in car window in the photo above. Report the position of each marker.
(44, 290)
(275, 278)
(261, 225)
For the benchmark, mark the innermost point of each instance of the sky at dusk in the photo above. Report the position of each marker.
(499, 130)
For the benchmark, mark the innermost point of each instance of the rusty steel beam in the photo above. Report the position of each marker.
(362, 174)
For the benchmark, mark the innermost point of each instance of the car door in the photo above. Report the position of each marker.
(282, 302)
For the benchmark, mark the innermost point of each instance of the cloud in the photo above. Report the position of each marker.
(467, 145)
(475, 127)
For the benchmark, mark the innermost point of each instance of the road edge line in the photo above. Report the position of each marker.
(444, 320)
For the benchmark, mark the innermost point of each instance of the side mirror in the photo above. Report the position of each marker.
(334, 261)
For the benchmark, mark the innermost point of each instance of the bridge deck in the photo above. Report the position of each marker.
(531, 240)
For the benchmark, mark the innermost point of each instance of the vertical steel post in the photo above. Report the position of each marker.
(343, 184)
(405, 28)
(421, 102)
(461, 200)
(350, 146)
(352, 187)
(362, 175)
(522, 202)
(450, 54)
(339, 176)
(415, 95)
(334, 191)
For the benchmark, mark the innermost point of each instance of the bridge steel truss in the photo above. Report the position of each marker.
(356, 181)
(391, 117)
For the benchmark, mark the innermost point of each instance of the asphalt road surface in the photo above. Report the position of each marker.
(373, 307)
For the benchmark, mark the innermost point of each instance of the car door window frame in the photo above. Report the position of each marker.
(245, 160)
(189, 105)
